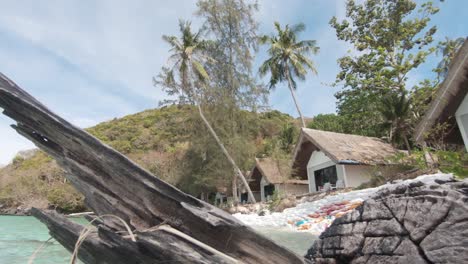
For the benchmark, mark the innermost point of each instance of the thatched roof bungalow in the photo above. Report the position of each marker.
(334, 160)
(450, 105)
(269, 175)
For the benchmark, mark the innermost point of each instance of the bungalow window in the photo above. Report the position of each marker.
(325, 175)
(244, 197)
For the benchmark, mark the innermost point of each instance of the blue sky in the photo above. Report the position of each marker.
(91, 61)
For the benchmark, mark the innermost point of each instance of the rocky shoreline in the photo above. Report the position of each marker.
(262, 208)
(18, 211)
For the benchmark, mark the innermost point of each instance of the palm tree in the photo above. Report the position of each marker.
(395, 107)
(288, 58)
(188, 58)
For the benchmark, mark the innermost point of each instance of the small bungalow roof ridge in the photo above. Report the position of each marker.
(270, 169)
(347, 148)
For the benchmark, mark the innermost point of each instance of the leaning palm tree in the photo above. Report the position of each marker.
(288, 58)
(187, 62)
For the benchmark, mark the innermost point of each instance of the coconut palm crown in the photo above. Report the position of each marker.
(288, 58)
(187, 57)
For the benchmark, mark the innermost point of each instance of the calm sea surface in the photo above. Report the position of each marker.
(20, 236)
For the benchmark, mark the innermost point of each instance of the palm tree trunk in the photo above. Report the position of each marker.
(226, 153)
(390, 137)
(408, 147)
(430, 163)
(291, 88)
(234, 190)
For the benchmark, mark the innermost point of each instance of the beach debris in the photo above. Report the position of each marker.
(321, 219)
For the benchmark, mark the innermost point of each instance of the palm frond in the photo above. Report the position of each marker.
(297, 28)
(200, 71)
(306, 46)
(307, 62)
(173, 41)
(264, 39)
(297, 67)
(278, 28)
(267, 66)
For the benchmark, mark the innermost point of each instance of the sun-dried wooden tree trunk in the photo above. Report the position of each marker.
(192, 231)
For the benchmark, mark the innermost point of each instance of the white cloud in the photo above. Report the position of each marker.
(87, 61)
(116, 43)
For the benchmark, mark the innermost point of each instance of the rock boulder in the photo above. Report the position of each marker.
(409, 224)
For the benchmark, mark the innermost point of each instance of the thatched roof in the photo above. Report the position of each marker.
(346, 148)
(450, 95)
(273, 171)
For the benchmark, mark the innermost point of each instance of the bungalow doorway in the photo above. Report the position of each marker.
(269, 190)
(325, 175)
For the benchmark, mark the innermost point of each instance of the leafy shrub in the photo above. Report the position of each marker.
(275, 199)
(455, 162)
(65, 198)
(17, 160)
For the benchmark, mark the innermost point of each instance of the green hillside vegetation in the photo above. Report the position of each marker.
(157, 139)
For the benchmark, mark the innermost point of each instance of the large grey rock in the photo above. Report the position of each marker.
(410, 224)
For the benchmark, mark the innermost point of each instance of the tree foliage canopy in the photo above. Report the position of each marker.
(391, 39)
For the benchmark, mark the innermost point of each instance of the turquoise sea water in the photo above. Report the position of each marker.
(298, 242)
(20, 236)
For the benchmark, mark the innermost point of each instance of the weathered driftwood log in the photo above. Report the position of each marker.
(112, 184)
(414, 224)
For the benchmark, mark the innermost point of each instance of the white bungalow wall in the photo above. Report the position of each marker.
(318, 160)
(356, 175)
(292, 189)
(350, 175)
(462, 120)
